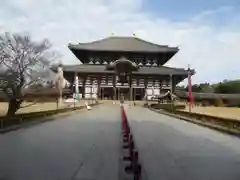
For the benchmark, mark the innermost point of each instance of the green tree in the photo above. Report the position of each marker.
(228, 87)
(203, 87)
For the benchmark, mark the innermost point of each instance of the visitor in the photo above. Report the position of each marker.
(121, 98)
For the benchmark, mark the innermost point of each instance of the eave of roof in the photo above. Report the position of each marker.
(153, 70)
(127, 44)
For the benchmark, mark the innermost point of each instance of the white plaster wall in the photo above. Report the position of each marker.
(87, 95)
(94, 95)
(156, 91)
(94, 90)
(149, 91)
(152, 92)
(88, 90)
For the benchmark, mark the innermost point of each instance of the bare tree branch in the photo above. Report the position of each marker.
(26, 62)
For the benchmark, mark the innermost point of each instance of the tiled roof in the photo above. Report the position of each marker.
(128, 44)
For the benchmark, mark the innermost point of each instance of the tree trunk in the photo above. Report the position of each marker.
(13, 106)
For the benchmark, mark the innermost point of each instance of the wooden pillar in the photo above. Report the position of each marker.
(138, 81)
(99, 88)
(145, 87)
(106, 80)
(134, 94)
(173, 84)
(118, 93)
(133, 89)
(103, 93)
(170, 83)
(114, 88)
(130, 92)
(83, 86)
(91, 92)
(160, 86)
(130, 86)
(114, 93)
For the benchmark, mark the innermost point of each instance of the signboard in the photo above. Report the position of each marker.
(78, 97)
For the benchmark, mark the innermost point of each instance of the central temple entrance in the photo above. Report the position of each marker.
(123, 68)
(137, 93)
(123, 91)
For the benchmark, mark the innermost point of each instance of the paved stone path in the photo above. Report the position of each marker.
(83, 146)
(86, 146)
(172, 149)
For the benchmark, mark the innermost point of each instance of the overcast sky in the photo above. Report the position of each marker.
(207, 31)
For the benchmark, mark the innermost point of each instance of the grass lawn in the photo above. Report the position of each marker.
(32, 108)
(226, 112)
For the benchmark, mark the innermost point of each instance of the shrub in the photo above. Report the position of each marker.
(160, 106)
(218, 103)
(205, 103)
(180, 106)
(146, 105)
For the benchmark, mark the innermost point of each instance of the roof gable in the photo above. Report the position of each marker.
(128, 44)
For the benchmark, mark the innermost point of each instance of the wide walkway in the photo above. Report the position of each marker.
(83, 146)
(172, 149)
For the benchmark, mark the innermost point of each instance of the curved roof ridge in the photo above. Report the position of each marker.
(86, 43)
(172, 67)
(101, 39)
(142, 40)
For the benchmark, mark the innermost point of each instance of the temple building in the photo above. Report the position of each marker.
(123, 66)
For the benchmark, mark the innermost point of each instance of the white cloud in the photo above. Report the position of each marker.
(211, 45)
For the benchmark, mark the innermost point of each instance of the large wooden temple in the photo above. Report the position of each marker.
(126, 66)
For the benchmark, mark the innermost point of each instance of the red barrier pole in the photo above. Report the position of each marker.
(125, 123)
(138, 173)
(134, 166)
(190, 96)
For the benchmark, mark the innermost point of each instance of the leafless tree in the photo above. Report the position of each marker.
(23, 63)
